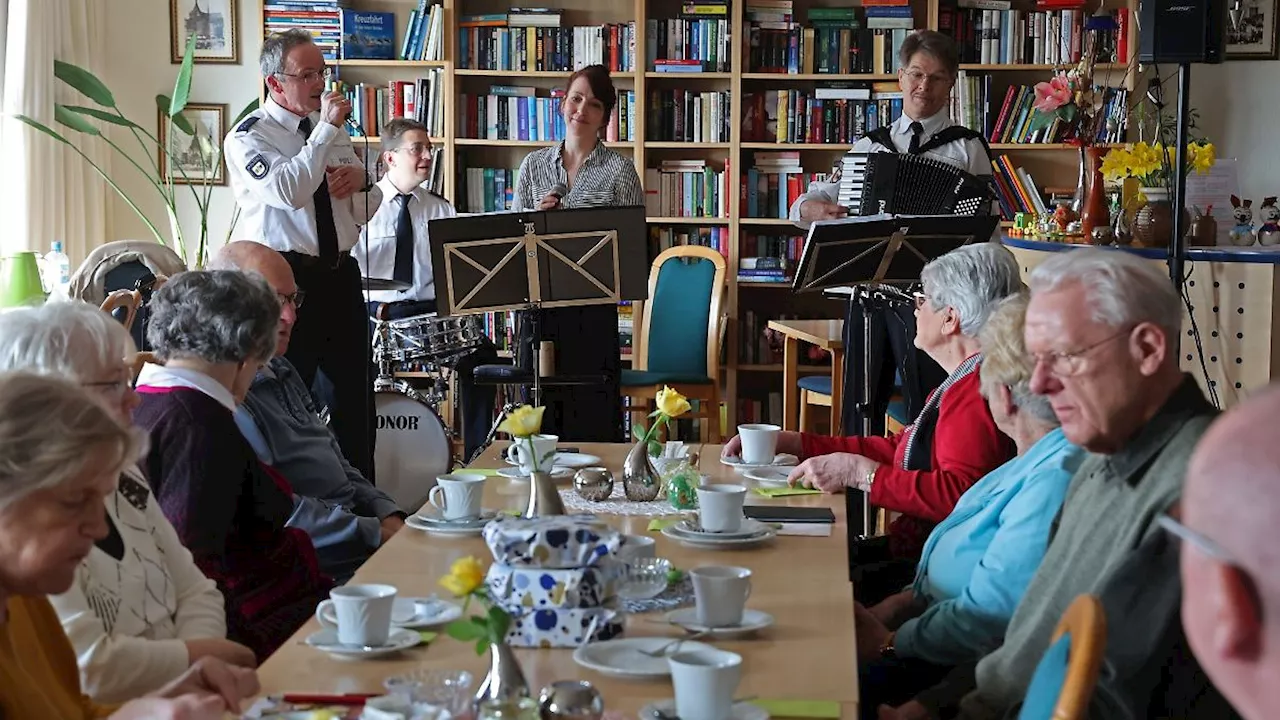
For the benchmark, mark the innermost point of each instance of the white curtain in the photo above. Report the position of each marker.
(47, 191)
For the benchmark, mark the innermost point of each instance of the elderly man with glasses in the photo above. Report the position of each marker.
(1102, 327)
(303, 192)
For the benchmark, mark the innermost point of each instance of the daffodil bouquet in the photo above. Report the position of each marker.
(1152, 165)
(466, 580)
(671, 404)
(522, 424)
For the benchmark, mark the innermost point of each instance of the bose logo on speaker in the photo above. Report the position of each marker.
(1178, 8)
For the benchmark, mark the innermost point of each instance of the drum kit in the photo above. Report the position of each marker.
(414, 445)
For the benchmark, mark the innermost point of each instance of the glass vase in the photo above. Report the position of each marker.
(640, 481)
(505, 681)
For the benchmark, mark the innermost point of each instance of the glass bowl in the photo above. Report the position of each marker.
(646, 578)
(449, 689)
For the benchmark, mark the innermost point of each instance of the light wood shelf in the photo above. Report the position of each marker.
(824, 77)
(480, 142)
(843, 147)
(653, 75)
(530, 74)
(389, 63)
(674, 145)
(376, 138)
(764, 221)
(676, 220)
(1100, 67)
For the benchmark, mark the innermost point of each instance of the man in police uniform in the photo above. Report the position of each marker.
(303, 192)
(395, 244)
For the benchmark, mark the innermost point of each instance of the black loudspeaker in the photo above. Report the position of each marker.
(1182, 31)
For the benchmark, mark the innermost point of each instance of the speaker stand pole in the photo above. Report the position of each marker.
(1177, 246)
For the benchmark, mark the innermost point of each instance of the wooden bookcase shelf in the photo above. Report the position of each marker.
(1052, 164)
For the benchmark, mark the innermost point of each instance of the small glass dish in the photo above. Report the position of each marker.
(646, 578)
(449, 689)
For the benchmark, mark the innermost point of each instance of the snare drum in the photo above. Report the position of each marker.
(413, 446)
(433, 338)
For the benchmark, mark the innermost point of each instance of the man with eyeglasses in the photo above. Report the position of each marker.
(394, 244)
(303, 192)
(1102, 327)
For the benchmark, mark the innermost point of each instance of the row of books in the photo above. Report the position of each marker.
(321, 18)
(826, 115)
(542, 48)
(1012, 122)
(688, 116)
(1016, 189)
(665, 238)
(688, 44)
(516, 113)
(487, 189)
(686, 188)
(500, 327)
(373, 105)
(996, 34)
(769, 189)
(756, 410)
(768, 258)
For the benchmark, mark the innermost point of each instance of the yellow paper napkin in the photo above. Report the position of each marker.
(427, 636)
(489, 472)
(825, 709)
(785, 491)
(657, 524)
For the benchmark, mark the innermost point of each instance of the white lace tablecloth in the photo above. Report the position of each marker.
(617, 504)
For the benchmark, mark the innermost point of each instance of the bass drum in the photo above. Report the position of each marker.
(413, 446)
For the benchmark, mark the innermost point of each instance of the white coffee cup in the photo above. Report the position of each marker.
(705, 681)
(458, 495)
(637, 546)
(360, 613)
(720, 593)
(720, 507)
(522, 451)
(759, 443)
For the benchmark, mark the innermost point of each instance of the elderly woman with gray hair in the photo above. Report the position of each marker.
(213, 331)
(139, 612)
(61, 455)
(977, 562)
(922, 471)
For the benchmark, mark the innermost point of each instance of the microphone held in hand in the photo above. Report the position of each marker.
(558, 191)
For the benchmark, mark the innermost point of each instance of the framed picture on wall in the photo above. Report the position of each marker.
(213, 22)
(197, 159)
(1254, 36)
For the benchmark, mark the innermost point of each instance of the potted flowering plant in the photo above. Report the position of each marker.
(1153, 167)
(488, 631)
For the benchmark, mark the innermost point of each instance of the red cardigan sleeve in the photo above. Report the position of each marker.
(880, 449)
(966, 446)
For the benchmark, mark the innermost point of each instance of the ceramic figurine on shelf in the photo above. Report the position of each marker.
(1242, 233)
(1269, 214)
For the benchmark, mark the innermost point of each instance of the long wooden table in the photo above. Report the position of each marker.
(809, 653)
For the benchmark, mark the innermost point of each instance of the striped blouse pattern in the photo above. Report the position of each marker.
(606, 178)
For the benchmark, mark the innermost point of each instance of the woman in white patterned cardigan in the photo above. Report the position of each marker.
(140, 612)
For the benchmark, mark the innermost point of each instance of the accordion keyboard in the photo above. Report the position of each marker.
(880, 182)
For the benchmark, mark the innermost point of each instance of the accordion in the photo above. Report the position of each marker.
(901, 184)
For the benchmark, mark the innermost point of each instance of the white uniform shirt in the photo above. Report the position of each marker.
(376, 251)
(274, 170)
(968, 155)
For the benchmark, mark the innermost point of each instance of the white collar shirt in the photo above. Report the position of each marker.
(160, 376)
(376, 251)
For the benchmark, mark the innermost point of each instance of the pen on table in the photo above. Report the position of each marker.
(321, 699)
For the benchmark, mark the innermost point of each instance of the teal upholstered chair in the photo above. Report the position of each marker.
(1065, 677)
(678, 341)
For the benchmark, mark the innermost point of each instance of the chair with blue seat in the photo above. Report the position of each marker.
(815, 391)
(1065, 677)
(678, 341)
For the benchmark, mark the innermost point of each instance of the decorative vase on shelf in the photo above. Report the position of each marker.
(640, 481)
(1093, 208)
(1153, 225)
(505, 680)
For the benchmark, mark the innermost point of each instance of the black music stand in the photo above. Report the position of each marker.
(531, 261)
(879, 256)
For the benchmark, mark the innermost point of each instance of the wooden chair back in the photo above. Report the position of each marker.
(715, 321)
(131, 299)
(1068, 672)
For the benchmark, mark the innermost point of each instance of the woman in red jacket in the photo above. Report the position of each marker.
(922, 471)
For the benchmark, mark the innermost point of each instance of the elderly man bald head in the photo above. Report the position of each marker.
(1231, 558)
(247, 256)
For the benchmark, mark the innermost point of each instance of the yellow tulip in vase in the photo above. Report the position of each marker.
(640, 479)
(505, 681)
(522, 424)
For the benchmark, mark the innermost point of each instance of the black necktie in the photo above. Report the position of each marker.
(404, 242)
(326, 231)
(916, 131)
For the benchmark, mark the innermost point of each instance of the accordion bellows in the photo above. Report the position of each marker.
(902, 184)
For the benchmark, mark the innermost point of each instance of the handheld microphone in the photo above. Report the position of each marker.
(559, 190)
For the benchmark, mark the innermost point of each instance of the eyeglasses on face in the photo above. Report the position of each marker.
(918, 77)
(920, 299)
(295, 299)
(1066, 364)
(415, 150)
(1202, 543)
(310, 75)
(113, 390)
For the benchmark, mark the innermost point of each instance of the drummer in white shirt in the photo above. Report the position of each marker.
(394, 245)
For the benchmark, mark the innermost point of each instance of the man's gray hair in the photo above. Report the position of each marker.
(1121, 289)
(50, 429)
(277, 47)
(216, 316)
(70, 339)
(972, 279)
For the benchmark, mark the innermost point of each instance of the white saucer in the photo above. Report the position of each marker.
(710, 541)
(623, 659)
(515, 474)
(779, 460)
(327, 641)
(739, 711)
(404, 613)
(430, 522)
(772, 476)
(750, 528)
(752, 620)
(571, 460)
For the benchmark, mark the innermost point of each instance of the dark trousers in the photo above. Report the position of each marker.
(331, 340)
(893, 681)
(474, 401)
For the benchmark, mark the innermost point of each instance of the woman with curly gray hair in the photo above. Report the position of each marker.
(213, 331)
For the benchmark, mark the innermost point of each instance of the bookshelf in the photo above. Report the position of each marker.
(745, 375)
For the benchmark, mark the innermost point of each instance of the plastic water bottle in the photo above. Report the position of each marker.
(57, 270)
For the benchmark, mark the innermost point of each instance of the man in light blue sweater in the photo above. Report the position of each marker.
(345, 515)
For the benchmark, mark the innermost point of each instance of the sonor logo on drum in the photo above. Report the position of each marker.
(397, 422)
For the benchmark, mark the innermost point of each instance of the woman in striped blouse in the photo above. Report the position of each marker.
(594, 175)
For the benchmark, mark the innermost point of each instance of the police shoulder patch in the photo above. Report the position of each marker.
(258, 167)
(247, 123)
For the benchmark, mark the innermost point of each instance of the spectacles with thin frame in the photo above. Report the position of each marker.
(1066, 364)
(1202, 543)
(295, 299)
(310, 75)
(918, 78)
(415, 150)
(920, 299)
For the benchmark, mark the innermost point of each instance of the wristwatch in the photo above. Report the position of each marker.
(870, 477)
(886, 648)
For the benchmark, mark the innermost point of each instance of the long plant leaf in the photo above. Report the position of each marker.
(85, 82)
(182, 85)
(103, 115)
(180, 121)
(253, 105)
(76, 122)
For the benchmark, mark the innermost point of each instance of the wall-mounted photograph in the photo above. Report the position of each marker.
(196, 155)
(1253, 36)
(212, 22)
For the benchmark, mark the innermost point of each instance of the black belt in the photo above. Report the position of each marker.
(313, 261)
